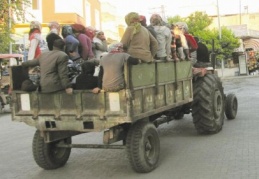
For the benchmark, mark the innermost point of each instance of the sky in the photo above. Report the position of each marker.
(185, 7)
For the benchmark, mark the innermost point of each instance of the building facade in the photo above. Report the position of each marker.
(244, 26)
(100, 14)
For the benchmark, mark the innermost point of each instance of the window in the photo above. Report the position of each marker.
(97, 19)
(69, 7)
(88, 14)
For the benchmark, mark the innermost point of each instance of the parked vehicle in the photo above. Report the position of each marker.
(155, 93)
(6, 60)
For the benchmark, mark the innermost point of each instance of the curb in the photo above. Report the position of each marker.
(238, 77)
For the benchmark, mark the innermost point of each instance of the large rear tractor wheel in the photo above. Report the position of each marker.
(208, 104)
(231, 106)
(48, 155)
(143, 147)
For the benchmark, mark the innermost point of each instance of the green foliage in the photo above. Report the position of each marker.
(7, 20)
(198, 23)
(172, 20)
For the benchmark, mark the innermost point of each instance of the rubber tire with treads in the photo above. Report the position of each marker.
(208, 104)
(231, 106)
(143, 147)
(47, 155)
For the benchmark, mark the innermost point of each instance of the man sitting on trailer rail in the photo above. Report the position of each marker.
(111, 78)
(53, 69)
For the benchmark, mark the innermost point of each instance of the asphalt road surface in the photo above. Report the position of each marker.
(231, 154)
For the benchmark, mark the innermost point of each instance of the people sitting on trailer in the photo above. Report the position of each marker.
(85, 44)
(181, 44)
(191, 42)
(53, 34)
(111, 77)
(143, 22)
(101, 46)
(203, 56)
(164, 38)
(86, 80)
(137, 40)
(173, 45)
(71, 47)
(53, 69)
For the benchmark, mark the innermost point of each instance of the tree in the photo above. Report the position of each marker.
(198, 21)
(10, 11)
(172, 20)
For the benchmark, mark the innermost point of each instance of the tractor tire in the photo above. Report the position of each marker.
(47, 155)
(231, 106)
(143, 147)
(208, 104)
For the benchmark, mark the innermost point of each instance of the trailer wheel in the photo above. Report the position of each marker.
(143, 147)
(208, 104)
(47, 155)
(231, 106)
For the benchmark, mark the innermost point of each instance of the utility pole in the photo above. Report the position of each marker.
(159, 10)
(163, 12)
(219, 26)
(240, 20)
(10, 25)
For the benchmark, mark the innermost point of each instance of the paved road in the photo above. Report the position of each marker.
(231, 154)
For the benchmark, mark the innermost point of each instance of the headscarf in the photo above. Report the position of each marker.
(132, 19)
(54, 27)
(53, 24)
(115, 48)
(143, 20)
(35, 25)
(182, 25)
(90, 32)
(98, 33)
(156, 20)
(79, 28)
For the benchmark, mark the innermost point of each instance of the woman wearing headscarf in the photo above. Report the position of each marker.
(71, 41)
(111, 77)
(85, 44)
(100, 44)
(35, 40)
(137, 40)
(163, 36)
(35, 50)
(53, 34)
(100, 47)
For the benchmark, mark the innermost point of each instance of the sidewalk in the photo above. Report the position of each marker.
(230, 73)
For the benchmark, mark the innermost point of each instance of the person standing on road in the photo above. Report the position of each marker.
(53, 69)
